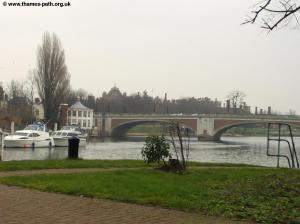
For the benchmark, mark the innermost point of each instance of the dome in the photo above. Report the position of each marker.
(114, 92)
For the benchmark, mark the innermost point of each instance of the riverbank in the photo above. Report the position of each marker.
(250, 131)
(75, 164)
(262, 195)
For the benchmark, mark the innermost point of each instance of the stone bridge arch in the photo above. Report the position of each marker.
(218, 132)
(122, 128)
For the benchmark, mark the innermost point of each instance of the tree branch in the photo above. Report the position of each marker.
(272, 17)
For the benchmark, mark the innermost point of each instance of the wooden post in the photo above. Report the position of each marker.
(2, 143)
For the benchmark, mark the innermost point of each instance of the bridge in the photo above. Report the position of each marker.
(206, 127)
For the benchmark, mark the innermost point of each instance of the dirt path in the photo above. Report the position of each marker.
(57, 171)
(27, 206)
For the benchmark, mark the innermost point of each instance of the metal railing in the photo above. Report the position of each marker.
(292, 159)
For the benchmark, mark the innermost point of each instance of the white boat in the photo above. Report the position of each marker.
(61, 137)
(33, 136)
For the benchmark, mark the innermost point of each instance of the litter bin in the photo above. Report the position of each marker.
(73, 147)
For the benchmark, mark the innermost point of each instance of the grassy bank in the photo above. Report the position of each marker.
(252, 130)
(69, 164)
(257, 194)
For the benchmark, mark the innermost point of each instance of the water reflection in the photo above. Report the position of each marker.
(247, 150)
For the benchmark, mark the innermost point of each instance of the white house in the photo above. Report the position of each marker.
(81, 115)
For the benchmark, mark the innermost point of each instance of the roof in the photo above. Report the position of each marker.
(78, 105)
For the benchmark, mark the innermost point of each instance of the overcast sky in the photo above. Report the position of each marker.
(182, 47)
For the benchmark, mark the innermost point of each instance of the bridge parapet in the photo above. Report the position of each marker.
(206, 126)
(215, 116)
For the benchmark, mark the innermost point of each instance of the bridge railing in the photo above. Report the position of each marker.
(242, 116)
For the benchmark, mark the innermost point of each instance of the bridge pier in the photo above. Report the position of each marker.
(205, 129)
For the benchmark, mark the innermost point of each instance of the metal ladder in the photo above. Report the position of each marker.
(293, 158)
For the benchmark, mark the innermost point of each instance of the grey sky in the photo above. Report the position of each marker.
(185, 48)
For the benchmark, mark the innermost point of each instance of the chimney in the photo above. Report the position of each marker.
(228, 106)
(269, 110)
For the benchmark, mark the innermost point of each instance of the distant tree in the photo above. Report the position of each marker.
(273, 13)
(19, 100)
(236, 99)
(1, 93)
(81, 94)
(292, 112)
(91, 101)
(51, 75)
(29, 85)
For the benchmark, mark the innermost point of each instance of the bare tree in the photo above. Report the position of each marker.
(51, 75)
(236, 99)
(180, 140)
(81, 93)
(30, 83)
(18, 100)
(273, 13)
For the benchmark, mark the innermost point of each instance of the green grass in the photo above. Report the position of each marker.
(66, 164)
(257, 194)
(63, 164)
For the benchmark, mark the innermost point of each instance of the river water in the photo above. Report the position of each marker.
(245, 150)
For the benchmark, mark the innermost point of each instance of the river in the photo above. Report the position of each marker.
(245, 150)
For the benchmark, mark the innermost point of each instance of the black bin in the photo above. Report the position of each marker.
(73, 147)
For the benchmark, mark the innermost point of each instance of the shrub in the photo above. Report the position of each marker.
(155, 149)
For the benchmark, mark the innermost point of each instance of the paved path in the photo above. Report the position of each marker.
(55, 171)
(27, 206)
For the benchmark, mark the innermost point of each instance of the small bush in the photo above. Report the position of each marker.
(156, 149)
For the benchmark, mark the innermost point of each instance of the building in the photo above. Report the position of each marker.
(38, 110)
(81, 115)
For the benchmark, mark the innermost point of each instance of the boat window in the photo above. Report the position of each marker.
(35, 127)
(64, 134)
(33, 135)
(21, 133)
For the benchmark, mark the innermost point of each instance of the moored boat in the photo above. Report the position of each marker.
(61, 137)
(33, 136)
